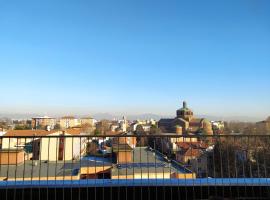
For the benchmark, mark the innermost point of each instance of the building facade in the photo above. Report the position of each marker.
(69, 122)
(43, 122)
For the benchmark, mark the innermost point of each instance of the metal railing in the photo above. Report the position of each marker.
(166, 166)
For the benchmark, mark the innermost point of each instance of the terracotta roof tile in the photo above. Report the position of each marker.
(192, 152)
(28, 133)
(39, 132)
(186, 145)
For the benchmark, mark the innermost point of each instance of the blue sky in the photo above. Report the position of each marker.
(135, 57)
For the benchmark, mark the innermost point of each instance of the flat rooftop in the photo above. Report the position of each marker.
(42, 170)
(146, 161)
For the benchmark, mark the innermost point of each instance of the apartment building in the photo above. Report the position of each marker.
(43, 122)
(57, 147)
(69, 122)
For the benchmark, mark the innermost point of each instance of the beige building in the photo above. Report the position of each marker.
(47, 148)
(88, 120)
(69, 122)
(61, 148)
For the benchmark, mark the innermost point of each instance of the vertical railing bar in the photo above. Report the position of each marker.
(8, 168)
(33, 150)
(88, 163)
(265, 152)
(118, 188)
(214, 163)
(57, 146)
(80, 166)
(103, 190)
(177, 174)
(39, 172)
(16, 161)
(64, 164)
(235, 164)
(1, 139)
(126, 163)
(221, 164)
(258, 164)
(244, 173)
(207, 164)
(72, 167)
(155, 168)
(247, 156)
(141, 162)
(193, 185)
(48, 166)
(147, 158)
(133, 172)
(228, 162)
(264, 160)
(111, 158)
(250, 165)
(170, 164)
(63, 140)
(201, 139)
(23, 189)
(185, 175)
(162, 150)
(95, 171)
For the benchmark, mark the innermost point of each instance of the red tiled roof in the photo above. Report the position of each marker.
(186, 145)
(192, 152)
(39, 132)
(73, 131)
(28, 133)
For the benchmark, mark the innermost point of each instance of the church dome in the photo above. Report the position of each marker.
(184, 112)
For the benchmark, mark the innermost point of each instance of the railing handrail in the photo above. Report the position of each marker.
(147, 136)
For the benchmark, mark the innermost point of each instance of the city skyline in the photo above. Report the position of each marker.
(118, 57)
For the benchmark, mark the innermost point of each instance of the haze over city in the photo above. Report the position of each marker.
(138, 57)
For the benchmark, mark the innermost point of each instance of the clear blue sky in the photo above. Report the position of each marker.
(135, 56)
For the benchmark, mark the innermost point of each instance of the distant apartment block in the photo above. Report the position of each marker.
(88, 121)
(43, 122)
(71, 122)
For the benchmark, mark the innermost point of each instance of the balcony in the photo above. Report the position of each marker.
(166, 166)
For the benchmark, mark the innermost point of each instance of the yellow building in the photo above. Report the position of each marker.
(47, 148)
(69, 122)
(87, 121)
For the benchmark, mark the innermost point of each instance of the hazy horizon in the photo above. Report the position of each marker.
(130, 115)
(135, 57)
